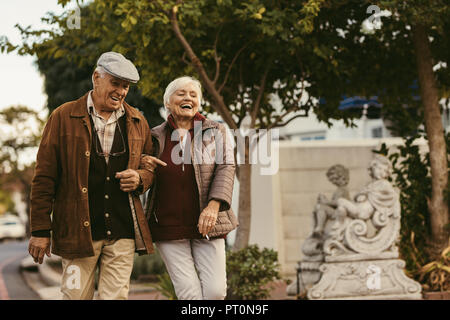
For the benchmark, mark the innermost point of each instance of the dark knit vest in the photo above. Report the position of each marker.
(109, 207)
(177, 197)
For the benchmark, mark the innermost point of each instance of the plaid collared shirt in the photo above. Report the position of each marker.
(105, 128)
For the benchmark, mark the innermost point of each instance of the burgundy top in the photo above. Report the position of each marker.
(177, 197)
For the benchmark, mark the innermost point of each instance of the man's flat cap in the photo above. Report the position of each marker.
(118, 66)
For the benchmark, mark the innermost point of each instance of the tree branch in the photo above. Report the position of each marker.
(257, 104)
(281, 116)
(285, 123)
(294, 107)
(183, 58)
(217, 58)
(231, 65)
(219, 104)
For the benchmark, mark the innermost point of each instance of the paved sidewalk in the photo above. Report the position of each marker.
(45, 280)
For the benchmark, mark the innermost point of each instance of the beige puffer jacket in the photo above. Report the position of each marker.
(213, 161)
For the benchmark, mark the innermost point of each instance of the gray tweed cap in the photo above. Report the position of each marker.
(118, 66)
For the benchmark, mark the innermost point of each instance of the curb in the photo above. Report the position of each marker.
(34, 278)
(49, 276)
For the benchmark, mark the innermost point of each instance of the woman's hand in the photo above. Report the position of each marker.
(208, 217)
(150, 163)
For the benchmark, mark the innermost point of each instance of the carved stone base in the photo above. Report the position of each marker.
(309, 275)
(375, 279)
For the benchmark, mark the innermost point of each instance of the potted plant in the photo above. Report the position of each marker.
(435, 277)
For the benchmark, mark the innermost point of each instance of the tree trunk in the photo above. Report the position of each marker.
(244, 175)
(244, 215)
(437, 205)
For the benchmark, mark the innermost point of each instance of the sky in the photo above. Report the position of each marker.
(21, 82)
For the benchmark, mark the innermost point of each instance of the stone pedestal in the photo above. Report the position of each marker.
(376, 279)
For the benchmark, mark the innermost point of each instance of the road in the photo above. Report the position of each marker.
(12, 284)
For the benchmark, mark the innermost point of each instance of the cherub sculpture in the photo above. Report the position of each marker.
(371, 223)
(325, 209)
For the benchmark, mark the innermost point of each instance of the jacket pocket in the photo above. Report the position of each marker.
(62, 211)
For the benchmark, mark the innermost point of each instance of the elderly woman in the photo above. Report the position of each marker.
(189, 203)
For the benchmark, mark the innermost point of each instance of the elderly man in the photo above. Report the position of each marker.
(85, 190)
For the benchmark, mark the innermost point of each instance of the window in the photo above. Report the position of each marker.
(377, 132)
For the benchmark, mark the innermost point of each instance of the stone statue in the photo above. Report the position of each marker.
(323, 216)
(324, 210)
(371, 224)
(356, 253)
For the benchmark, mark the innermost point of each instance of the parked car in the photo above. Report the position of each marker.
(11, 227)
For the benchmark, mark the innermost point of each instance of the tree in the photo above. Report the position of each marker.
(20, 136)
(6, 203)
(242, 52)
(389, 63)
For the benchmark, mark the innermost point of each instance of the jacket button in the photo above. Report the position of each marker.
(87, 153)
(106, 196)
(108, 233)
(84, 190)
(86, 223)
(107, 215)
(107, 178)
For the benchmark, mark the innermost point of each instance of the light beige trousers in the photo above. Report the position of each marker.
(115, 262)
(197, 268)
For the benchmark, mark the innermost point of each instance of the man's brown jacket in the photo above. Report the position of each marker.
(59, 194)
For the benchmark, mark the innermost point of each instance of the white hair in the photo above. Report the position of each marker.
(101, 71)
(180, 82)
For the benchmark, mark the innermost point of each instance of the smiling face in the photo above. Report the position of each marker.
(109, 91)
(378, 170)
(184, 102)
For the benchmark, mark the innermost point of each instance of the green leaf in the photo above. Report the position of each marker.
(125, 24)
(145, 40)
(257, 16)
(59, 54)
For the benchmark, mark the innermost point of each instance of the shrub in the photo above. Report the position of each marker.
(435, 276)
(147, 265)
(249, 271)
(165, 286)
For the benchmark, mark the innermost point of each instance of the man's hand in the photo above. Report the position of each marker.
(208, 217)
(129, 180)
(150, 163)
(38, 248)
